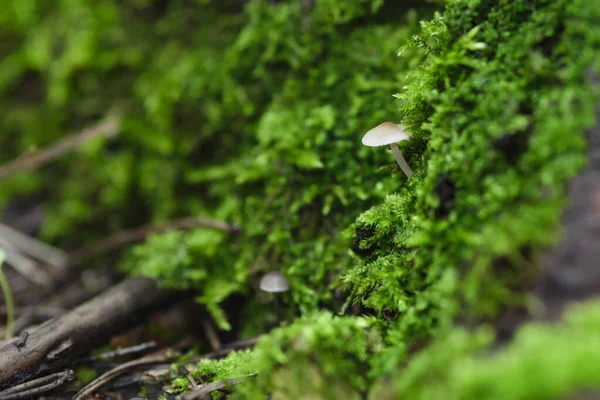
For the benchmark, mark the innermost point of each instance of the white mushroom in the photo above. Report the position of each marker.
(385, 134)
(274, 282)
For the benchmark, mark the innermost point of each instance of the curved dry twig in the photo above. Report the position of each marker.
(133, 235)
(38, 386)
(36, 159)
(121, 369)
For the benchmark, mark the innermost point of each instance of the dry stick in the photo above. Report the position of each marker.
(211, 334)
(121, 369)
(33, 247)
(28, 394)
(137, 234)
(24, 265)
(58, 342)
(36, 159)
(49, 381)
(58, 303)
(122, 352)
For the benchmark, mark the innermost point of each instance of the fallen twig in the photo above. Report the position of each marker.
(33, 247)
(60, 341)
(122, 352)
(211, 334)
(140, 233)
(37, 386)
(36, 159)
(121, 369)
(24, 265)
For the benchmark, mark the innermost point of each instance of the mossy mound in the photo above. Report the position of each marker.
(254, 116)
(249, 114)
(499, 110)
(317, 356)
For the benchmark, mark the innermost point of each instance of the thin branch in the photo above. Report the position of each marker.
(211, 334)
(133, 235)
(37, 386)
(33, 160)
(24, 265)
(122, 352)
(121, 369)
(33, 247)
(60, 341)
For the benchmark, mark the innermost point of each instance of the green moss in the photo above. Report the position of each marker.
(315, 349)
(236, 364)
(489, 108)
(252, 116)
(179, 385)
(542, 362)
(85, 374)
(255, 116)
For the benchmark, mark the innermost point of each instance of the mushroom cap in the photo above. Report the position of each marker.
(274, 282)
(384, 134)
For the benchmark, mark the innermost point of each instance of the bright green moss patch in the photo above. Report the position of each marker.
(318, 355)
(255, 116)
(297, 173)
(250, 114)
(542, 362)
(236, 364)
(179, 385)
(498, 111)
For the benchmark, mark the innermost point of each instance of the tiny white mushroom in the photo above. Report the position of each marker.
(385, 134)
(274, 282)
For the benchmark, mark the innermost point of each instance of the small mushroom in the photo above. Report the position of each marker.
(385, 134)
(274, 282)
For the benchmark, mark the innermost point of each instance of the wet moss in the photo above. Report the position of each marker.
(254, 118)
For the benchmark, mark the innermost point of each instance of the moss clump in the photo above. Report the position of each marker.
(236, 364)
(499, 110)
(318, 355)
(254, 116)
(299, 173)
(542, 362)
(247, 115)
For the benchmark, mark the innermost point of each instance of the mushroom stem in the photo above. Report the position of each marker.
(400, 160)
